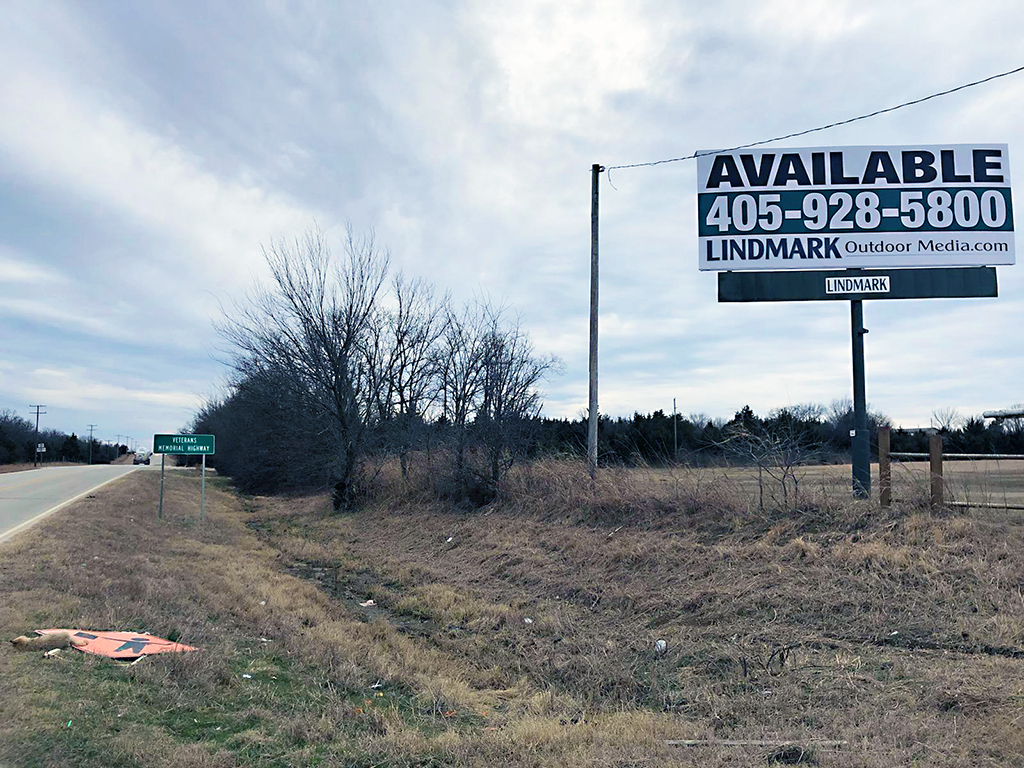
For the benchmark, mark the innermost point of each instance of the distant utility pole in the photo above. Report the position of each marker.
(675, 431)
(35, 456)
(91, 427)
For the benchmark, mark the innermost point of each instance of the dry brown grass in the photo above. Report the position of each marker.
(817, 622)
(898, 632)
(7, 468)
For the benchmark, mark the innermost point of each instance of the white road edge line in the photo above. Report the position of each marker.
(28, 523)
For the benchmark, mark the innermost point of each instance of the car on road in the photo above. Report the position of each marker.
(141, 457)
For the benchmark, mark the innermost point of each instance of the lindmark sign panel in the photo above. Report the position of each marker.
(855, 207)
(844, 285)
(857, 284)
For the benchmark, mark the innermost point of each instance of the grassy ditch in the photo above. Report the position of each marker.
(523, 634)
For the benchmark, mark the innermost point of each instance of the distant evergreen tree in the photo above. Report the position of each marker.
(71, 450)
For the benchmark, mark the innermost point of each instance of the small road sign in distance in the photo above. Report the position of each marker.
(187, 444)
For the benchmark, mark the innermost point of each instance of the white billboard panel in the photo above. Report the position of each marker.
(863, 207)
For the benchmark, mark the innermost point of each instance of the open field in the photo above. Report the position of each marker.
(984, 481)
(523, 634)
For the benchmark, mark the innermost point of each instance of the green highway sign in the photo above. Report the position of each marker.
(855, 284)
(188, 444)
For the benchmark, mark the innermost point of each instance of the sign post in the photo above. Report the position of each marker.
(772, 221)
(860, 447)
(160, 508)
(188, 445)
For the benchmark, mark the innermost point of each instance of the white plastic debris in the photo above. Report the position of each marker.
(367, 604)
(660, 646)
(247, 676)
(449, 540)
(263, 602)
(527, 620)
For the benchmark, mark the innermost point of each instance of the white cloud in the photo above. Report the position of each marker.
(81, 388)
(561, 60)
(51, 314)
(79, 145)
(466, 138)
(16, 268)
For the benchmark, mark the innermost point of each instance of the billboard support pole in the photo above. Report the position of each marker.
(592, 402)
(202, 507)
(160, 509)
(861, 453)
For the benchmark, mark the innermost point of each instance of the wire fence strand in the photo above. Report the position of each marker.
(836, 124)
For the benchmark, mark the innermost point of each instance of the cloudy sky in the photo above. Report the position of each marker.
(148, 149)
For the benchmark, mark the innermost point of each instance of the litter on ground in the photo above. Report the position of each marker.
(118, 645)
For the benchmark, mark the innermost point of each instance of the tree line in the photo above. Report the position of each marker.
(816, 432)
(337, 363)
(338, 366)
(18, 442)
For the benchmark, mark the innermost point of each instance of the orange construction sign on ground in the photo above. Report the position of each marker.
(119, 645)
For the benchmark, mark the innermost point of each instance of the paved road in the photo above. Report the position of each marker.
(27, 496)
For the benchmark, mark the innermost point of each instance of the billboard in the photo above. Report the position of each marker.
(855, 207)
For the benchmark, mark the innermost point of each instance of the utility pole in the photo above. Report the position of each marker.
(675, 431)
(35, 456)
(91, 427)
(592, 423)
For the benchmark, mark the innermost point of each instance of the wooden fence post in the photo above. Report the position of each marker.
(935, 465)
(884, 468)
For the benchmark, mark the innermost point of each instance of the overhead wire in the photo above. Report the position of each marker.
(836, 124)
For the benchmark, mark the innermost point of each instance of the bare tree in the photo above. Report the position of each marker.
(1015, 424)
(699, 419)
(778, 452)
(948, 419)
(805, 411)
(461, 353)
(509, 397)
(309, 326)
(403, 362)
(489, 375)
